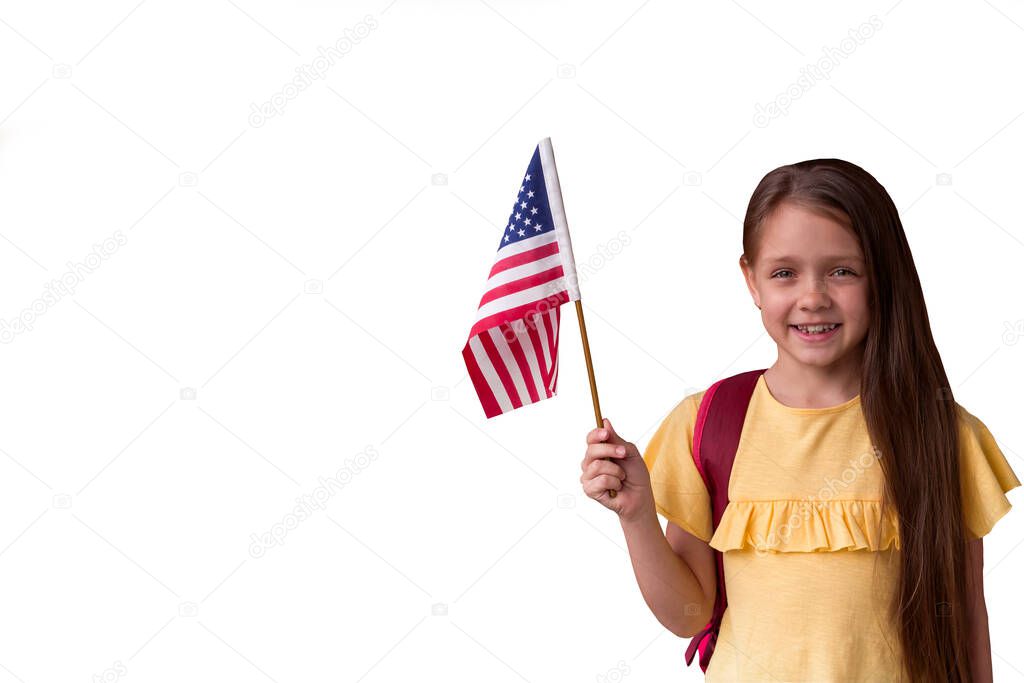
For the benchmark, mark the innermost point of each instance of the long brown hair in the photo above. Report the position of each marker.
(908, 407)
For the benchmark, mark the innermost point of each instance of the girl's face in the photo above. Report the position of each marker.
(810, 269)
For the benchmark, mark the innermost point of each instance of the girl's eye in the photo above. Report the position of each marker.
(778, 273)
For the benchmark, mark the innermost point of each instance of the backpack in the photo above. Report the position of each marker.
(716, 436)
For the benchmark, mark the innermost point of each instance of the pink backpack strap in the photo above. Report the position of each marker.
(716, 436)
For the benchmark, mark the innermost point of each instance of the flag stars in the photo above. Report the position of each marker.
(529, 210)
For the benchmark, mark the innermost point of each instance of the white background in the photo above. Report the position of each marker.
(129, 511)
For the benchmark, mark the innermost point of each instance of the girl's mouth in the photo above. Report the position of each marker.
(816, 336)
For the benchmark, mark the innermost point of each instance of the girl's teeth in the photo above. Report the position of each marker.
(813, 329)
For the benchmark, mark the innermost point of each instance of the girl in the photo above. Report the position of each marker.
(860, 489)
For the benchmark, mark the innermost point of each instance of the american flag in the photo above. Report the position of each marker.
(512, 352)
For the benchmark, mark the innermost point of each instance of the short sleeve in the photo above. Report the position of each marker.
(985, 476)
(679, 491)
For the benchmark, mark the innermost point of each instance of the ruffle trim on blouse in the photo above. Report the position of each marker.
(806, 526)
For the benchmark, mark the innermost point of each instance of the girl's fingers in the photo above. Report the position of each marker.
(597, 451)
(607, 481)
(603, 471)
(599, 467)
(604, 434)
(593, 490)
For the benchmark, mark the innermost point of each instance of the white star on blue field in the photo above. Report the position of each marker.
(531, 215)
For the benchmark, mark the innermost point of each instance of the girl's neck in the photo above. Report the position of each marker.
(799, 385)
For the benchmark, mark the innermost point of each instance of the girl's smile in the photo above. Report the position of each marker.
(816, 333)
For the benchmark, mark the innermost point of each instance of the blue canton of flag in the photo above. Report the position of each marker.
(531, 214)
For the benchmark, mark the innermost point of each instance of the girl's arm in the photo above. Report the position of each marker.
(977, 614)
(680, 597)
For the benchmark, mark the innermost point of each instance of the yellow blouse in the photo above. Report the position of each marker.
(808, 546)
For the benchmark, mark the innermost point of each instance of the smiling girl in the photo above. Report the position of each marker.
(848, 525)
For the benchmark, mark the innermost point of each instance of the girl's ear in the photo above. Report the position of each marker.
(748, 277)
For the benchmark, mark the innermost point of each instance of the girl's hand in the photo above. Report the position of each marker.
(626, 473)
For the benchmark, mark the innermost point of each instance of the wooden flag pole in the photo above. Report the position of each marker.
(590, 372)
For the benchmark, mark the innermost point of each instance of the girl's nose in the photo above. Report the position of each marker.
(816, 293)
